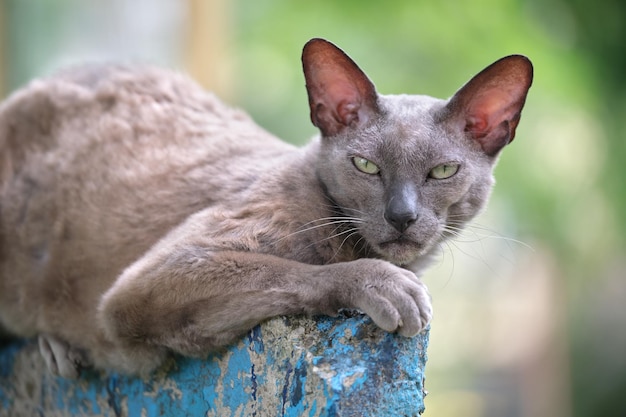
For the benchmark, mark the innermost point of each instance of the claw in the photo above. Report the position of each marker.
(60, 358)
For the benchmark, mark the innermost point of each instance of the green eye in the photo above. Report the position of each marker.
(365, 165)
(443, 171)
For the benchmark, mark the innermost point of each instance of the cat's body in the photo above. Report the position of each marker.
(139, 215)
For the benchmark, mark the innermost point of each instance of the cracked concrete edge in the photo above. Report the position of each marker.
(288, 366)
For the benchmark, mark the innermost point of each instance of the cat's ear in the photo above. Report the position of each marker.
(489, 106)
(340, 94)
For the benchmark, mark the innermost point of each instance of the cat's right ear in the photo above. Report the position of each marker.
(340, 94)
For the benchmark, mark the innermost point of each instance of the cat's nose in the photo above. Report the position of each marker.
(402, 220)
(401, 210)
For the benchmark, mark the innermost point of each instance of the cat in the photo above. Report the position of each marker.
(140, 216)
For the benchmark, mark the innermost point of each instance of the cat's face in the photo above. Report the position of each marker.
(409, 170)
(406, 178)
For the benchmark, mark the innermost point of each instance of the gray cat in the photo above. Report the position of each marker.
(139, 215)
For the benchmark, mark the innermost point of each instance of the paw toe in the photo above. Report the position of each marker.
(60, 358)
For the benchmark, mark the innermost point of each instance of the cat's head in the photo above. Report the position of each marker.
(411, 170)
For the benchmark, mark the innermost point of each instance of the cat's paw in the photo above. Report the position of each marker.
(61, 358)
(395, 298)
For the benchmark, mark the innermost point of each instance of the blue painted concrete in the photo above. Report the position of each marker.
(290, 367)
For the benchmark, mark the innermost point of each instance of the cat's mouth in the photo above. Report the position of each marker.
(401, 250)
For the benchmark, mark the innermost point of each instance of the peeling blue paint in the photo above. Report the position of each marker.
(297, 367)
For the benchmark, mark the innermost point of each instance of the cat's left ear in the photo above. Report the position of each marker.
(340, 94)
(489, 106)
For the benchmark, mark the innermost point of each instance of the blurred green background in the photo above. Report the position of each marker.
(530, 306)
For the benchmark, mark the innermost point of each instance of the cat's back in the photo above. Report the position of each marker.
(116, 107)
(98, 163)
(121, 135)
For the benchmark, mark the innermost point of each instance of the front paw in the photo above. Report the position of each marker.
(393, 297)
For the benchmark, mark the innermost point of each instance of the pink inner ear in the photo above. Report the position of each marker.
(340, 102)
(488, 107)
(488, 111)
(348, 112)
(340, 90)
(340, 94)
(476, 125)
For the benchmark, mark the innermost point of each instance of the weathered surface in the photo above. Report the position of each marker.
(341, 366)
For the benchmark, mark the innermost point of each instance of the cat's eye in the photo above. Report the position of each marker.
(365, 165)
(443, 171)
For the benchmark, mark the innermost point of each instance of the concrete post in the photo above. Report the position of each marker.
(288, 366)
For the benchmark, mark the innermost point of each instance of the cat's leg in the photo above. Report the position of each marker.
(194, 301)
(61, 358)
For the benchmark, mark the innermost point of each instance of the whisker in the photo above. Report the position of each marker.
(504, 238)
(341, 222)
(346, 218)
(476, 257)
(479, 234)
(354, 232)
(351, 232)
(339, 209)
(366, 248)
(451, 274)
(491, 234)
(337, 220)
